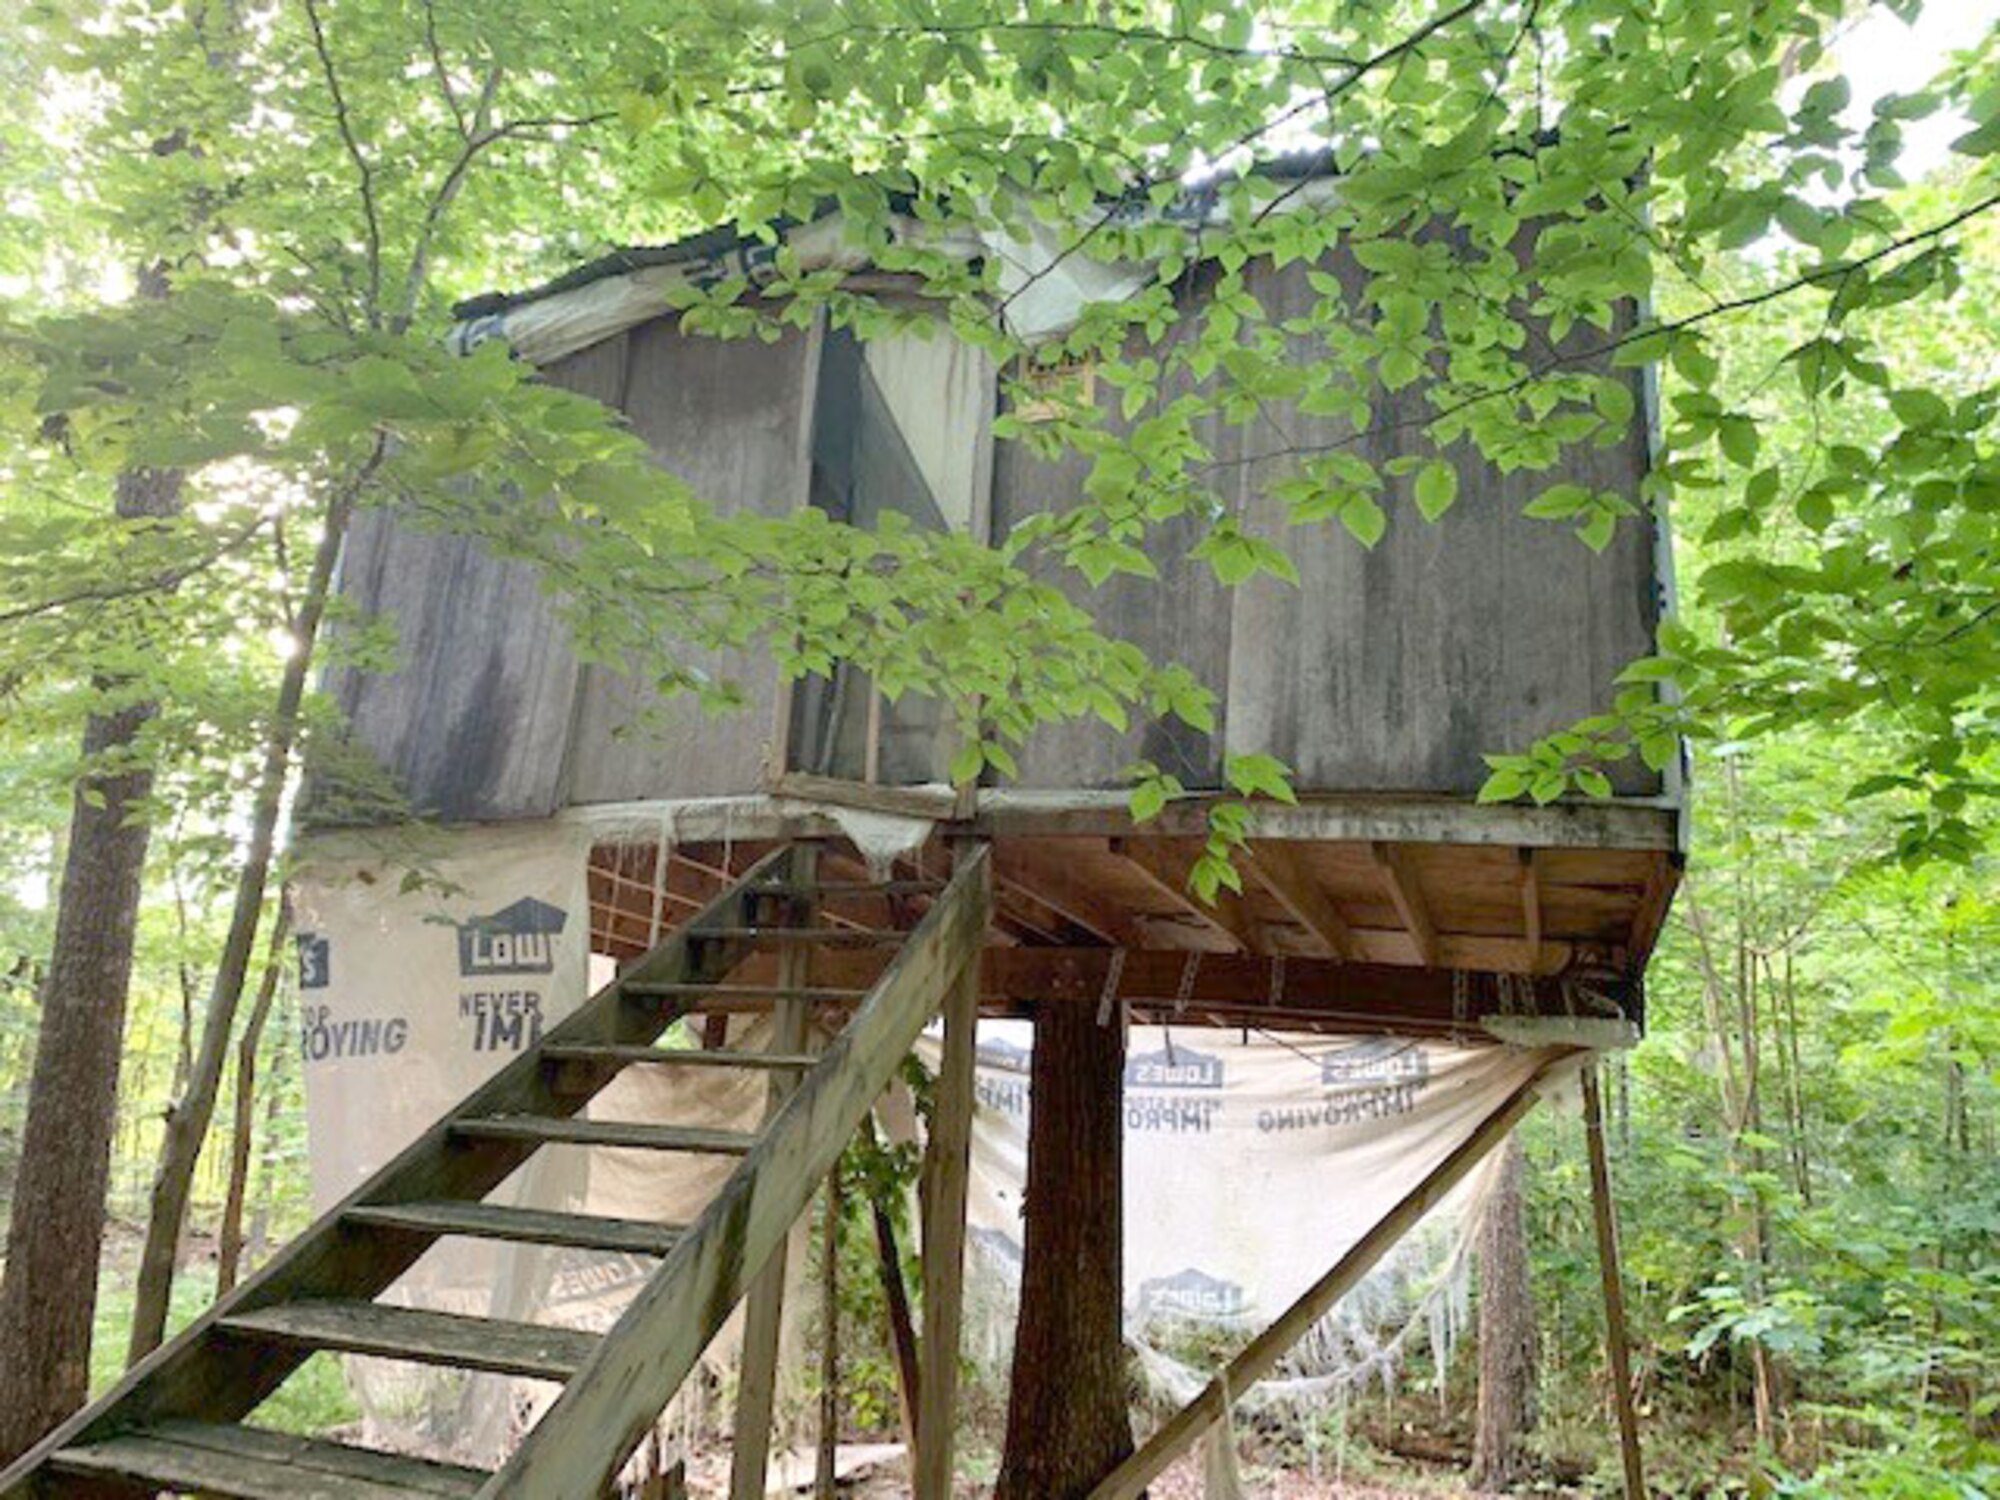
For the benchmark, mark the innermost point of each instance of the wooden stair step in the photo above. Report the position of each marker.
(832, 936)
(252, 1463)
(528, 1226)
(574, 1132)
(675, 1057)
(641, 989)
(431, 1338)
(854, 888)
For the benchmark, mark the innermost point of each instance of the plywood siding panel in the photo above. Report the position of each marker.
(474, 721)
(1396, 669)
(1184, 617)
(732, 418)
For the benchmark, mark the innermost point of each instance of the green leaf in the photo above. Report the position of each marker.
(967, 763)
(1983, 141)
(1436, 488)
(1365, 519)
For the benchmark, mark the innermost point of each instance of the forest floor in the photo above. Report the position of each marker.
(888, 1479)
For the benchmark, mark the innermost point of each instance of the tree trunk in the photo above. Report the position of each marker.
(1069, 1420)
(189, 1118)
(1506, 1330)
(49, 1296)
(229, 1242)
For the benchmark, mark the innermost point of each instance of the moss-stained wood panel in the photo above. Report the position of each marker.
(732, 417)
(1182, 617)
(1392, 669)
(474, 721)
(1397, 668)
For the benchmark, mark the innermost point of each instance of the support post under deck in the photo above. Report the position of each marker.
(1616, 1348)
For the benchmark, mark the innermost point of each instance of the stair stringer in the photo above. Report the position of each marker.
(201, 1374)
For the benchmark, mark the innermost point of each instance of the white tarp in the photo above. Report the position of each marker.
(1254, 1161)
(427, 961)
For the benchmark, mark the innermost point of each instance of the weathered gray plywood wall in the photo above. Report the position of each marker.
(488, 714)
(1386, 670)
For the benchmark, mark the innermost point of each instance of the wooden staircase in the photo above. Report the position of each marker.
(175, 1422)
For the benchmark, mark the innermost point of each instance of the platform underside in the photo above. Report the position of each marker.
(1423, 933)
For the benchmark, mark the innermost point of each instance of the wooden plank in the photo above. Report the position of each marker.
(1257, 1359)
(1661, 883)
(1616, 1334)
(947, 1166)
(542, 1130)
(633, 1055)
(527, 1226)
(1008, 812)
(283, 1469)
(931, 803)
(641, 990)
(195, 1374)
(1408, 895)
(1281, 873)
(432, 1338)
(763, 1318)
(1167, 867)
(792, 937)
(580, 1443)
(1531, 908)
(1371, 997)
(318, 1455)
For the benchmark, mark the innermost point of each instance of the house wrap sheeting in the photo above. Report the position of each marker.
(412, 993)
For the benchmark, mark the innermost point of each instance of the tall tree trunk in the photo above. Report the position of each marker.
(229, 1242)
(189, 1118)
(1506, 1329)
(49, 1296)
(1069, 1420)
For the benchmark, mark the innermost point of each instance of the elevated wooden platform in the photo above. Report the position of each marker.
(1416, 915)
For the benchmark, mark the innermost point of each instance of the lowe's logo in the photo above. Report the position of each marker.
(520, 939)
(1173, 1068)
(1377, 1061)
(1193, 1293)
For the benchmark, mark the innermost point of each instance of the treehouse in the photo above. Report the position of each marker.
(801, 884)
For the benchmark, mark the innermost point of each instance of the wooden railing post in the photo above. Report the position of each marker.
(763, 1318)
(947, 1163)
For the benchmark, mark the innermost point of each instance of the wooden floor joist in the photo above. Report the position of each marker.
(1276, 867)
(1401, 878)
(1169, 868)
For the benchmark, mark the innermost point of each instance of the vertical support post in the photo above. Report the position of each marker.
(946, 1166)
(826, 1478)
(763, 1318)
(1616, 1350)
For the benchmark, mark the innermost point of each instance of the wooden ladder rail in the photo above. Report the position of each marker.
(203, 1373)
(578, 1447)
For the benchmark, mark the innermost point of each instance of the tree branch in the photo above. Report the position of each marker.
(363, 171)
